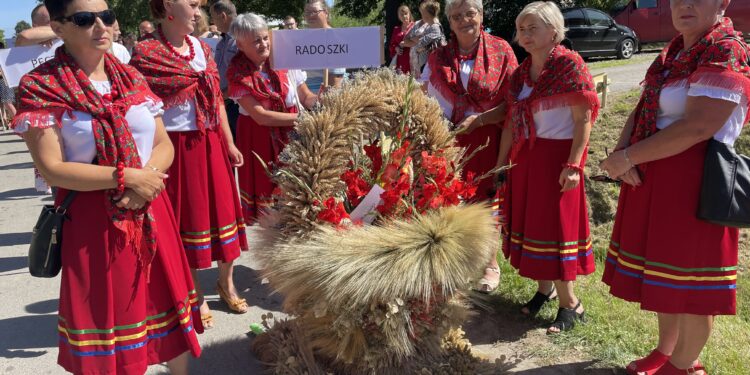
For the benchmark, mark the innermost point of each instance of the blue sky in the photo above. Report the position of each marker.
(12, 11)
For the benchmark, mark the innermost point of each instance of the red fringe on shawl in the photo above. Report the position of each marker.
(40, 118)
(722, 79)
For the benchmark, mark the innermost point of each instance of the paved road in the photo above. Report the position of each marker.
(625, 77)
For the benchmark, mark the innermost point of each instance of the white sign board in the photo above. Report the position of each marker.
(17, 61)
(353, 47)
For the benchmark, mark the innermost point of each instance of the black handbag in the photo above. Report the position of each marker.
(46, 240)
(725, 190)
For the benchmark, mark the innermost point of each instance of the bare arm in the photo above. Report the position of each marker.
(702, 119)
(494, 116)
(162, 154)
(408, 43)
(506, 142)
(35, 35)
(581, 133)
(570, 177)
(306, 97)
(265, 117)
(45, 146)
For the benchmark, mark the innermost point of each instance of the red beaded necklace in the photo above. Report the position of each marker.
(189, 57)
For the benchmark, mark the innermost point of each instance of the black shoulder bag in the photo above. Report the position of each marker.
(45, 258)
(725, 190)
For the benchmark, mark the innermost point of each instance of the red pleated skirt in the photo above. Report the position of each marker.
(485, 160)
(112, 320)
(547, 235)
(661, 255)
(206, 202)
(255, 184)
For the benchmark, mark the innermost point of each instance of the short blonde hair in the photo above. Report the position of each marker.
(549, 13)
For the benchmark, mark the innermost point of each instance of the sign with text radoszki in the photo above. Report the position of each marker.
(352, 47)
(17, 61)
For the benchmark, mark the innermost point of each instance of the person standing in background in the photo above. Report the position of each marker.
(401, 54)
(424, 36)
(116, 33)
(223, 12)
(40, 31)
(180, 69)
(145, 28)
(290, 23)
(117, 49)
(317, 17)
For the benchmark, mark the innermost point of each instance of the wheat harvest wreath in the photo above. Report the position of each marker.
(370, 242)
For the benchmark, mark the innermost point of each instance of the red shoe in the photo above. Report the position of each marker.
(648, 365)
(669, 369)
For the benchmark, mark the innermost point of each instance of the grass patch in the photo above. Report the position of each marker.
(610, 63)
(617, 331)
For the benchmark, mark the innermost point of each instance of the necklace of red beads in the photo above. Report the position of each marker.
(189, 57)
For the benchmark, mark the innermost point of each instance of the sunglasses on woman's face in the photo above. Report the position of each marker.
(87, 19)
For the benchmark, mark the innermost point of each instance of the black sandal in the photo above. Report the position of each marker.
(537, 302)
(566, 319)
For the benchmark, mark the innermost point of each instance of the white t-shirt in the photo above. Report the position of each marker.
(181, 117)
(466, 67)
(295, 79)
(120, 52)
(554, 123)
(673, 100)
(78, 136)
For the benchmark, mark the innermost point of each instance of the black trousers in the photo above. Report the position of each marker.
(233, 113)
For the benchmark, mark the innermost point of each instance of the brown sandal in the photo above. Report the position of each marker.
(238, 305)
(207, 320)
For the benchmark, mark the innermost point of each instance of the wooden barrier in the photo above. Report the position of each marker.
(602, 82)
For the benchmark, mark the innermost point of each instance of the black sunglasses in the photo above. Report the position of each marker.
(87, 19)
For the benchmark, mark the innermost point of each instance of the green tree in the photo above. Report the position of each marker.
(21, 26)
(2, 35)
(130, 13)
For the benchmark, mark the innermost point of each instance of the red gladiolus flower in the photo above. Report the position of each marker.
(434, 164)
(375, 154)
(334, 212)
(398, 155)
(357, 188)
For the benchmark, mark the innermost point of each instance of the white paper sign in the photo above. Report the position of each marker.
(17, 61)
(364, 211)
(353, 47)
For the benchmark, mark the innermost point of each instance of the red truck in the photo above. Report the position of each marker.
(652, 19)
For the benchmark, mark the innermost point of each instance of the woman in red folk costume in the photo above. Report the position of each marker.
(661, 255)
(553, 104)
(401, 54)
(268, 102)
(469, 78)
(180, 69)
(93, 126)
